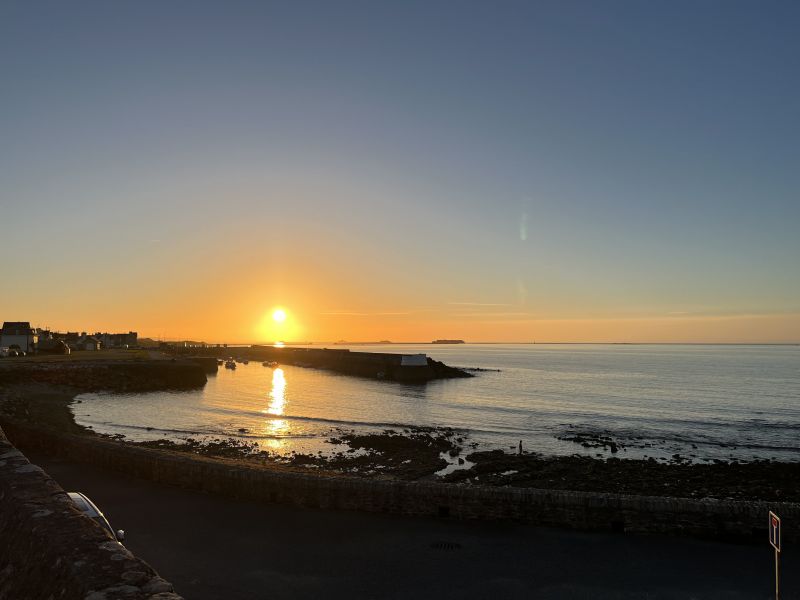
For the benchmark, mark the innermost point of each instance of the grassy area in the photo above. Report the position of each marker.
(84, 356)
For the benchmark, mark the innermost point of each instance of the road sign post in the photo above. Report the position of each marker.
(775, 541)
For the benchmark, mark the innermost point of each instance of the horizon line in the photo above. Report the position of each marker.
(497, 343)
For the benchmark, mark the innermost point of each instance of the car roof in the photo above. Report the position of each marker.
(84, 504)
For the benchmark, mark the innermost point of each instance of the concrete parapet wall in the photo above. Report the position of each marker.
(709, 518)
(49, 549)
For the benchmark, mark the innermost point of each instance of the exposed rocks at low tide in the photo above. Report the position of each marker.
(765, 480)
(409, 454)
(219, 448)
(591, 440)
(416, 454)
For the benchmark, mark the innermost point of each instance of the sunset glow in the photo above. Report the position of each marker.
(272, 265)
(380, 200)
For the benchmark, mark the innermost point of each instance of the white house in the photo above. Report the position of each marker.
(18, 333)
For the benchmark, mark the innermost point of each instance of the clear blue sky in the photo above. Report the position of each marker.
(491, 163)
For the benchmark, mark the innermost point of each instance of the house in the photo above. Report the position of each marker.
(118, 340)
(88, 342)
(51, 345)
(19, 334)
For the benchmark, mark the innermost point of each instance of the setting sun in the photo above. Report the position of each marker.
(279, 324)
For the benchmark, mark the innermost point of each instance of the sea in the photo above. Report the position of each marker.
(700, 402)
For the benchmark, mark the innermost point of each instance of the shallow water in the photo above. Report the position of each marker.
(702, 402)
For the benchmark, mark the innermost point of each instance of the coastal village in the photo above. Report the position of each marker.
(18, 338)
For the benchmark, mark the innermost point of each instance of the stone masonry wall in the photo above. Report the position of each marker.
(50, 550)
(710, 518)
(115, 375)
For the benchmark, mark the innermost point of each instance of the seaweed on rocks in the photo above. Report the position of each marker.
(589, 439)
(414, 453)
(762, 479)
(220, 448)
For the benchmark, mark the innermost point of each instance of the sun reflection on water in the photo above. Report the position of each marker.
(277, 395)
(277, 405)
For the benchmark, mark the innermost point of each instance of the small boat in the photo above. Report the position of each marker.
(220, 361)
(269, 363)
(245, 361)
(230, 365)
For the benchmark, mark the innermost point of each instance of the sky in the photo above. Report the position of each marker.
(491, 171)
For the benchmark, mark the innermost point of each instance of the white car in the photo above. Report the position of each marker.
(90, 509)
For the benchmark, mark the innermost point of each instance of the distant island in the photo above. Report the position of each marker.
(447, 342)
(346, 343)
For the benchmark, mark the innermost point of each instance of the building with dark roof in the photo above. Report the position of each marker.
(19, 334)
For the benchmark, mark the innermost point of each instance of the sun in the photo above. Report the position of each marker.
(279, 323)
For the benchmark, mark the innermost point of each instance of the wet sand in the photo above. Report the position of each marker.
(212, 547)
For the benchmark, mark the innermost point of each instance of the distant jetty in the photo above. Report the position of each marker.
(380, 365)
(415, 368)
(447, 342)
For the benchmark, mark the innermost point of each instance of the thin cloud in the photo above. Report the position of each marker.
(478, 304)
(484, 315)
(348, 313)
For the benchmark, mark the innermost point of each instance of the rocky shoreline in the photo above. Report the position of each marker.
(412, 455)
(418, 454)
(406, 455)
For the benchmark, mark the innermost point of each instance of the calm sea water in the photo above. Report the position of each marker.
(706, 402)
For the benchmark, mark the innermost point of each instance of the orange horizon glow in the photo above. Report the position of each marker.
(321, 304)
(425, 327)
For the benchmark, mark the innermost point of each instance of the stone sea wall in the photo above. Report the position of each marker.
(115, 375)
(709, 518)
(49, 549)
(375, 365)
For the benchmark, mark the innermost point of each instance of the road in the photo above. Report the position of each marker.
(213, 547)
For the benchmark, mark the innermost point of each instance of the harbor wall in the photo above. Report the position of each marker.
(49, 549)
(114, 375)
(705, 518)
(376, 365)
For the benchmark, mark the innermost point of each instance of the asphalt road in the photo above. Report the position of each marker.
(212, 547)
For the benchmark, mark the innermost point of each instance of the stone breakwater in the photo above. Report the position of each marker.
(375, 365)
(49, 549)
(112, 375)
(706, 518)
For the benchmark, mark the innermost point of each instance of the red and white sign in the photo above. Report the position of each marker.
(775, 530)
